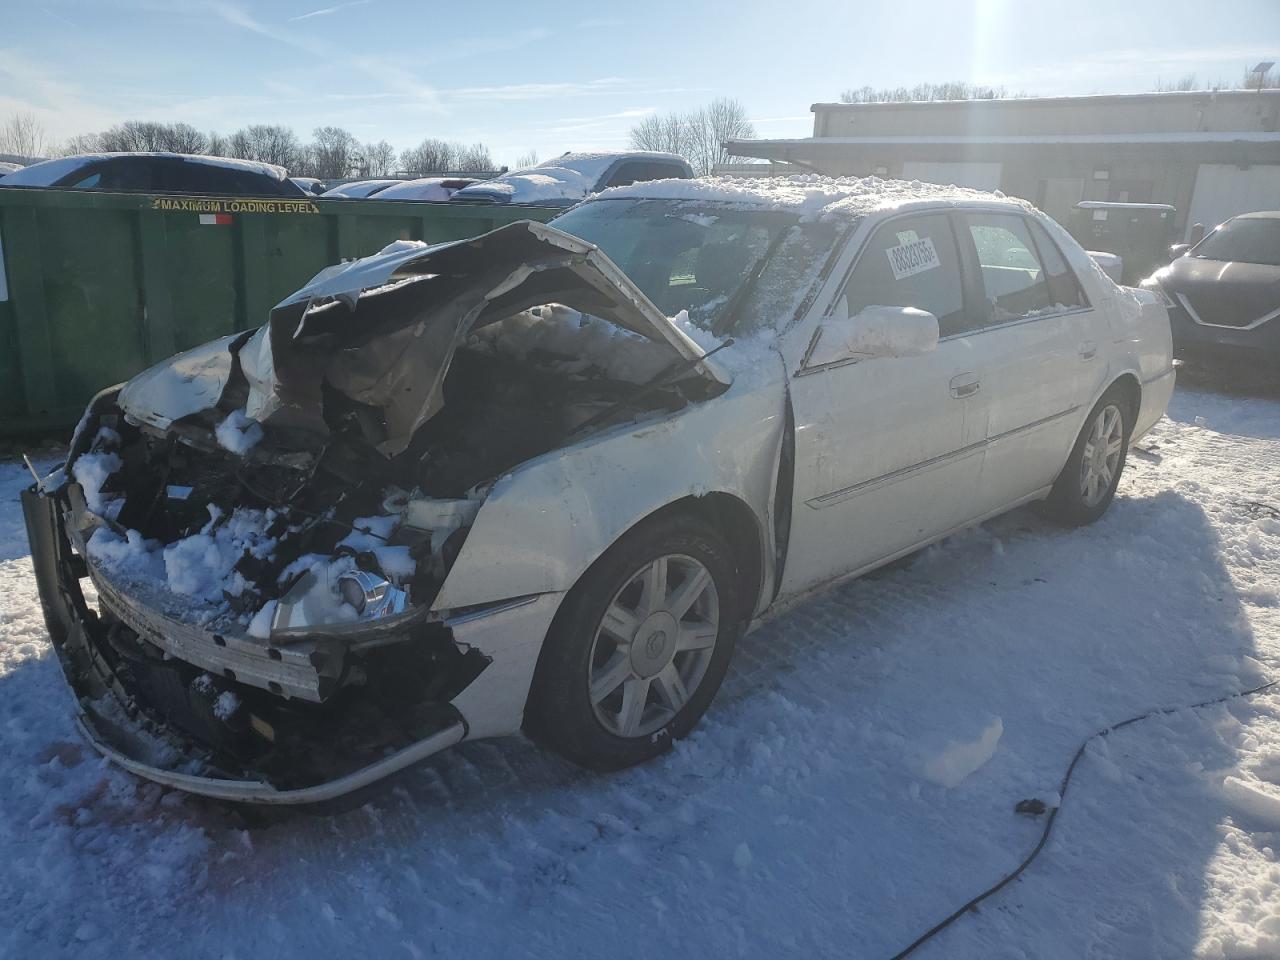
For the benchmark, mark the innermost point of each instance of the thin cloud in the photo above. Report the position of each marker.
(325, 11)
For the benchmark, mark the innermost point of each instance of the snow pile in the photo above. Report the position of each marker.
(238, 433)
(424, 188)
(951, 766)
(811, 196)
(129, 555)
(548, 183)
(92, 468)
(202, 565)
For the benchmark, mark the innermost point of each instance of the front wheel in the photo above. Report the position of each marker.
(1088, 482)
(640, 647)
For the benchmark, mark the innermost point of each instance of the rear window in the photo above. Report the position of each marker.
(1243, 241)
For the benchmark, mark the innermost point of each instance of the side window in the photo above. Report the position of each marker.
(1064, 287)
(1012, 275)
(179, 176)
(638, 171)
(122, 173)
(85, 182)
(912, 262)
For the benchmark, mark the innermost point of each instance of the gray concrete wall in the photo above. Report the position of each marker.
(1147, 113)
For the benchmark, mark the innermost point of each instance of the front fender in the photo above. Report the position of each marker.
(546, 522)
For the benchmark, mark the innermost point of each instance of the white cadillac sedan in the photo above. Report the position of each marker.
(544, 479)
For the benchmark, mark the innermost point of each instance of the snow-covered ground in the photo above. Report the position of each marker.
(854, 782)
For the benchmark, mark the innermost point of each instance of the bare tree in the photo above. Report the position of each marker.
(666, 132)
(1252, 80)
(529, 159)
(217, 145)
(699, 135)
(379, 158)
(81, 143)
(266, 143)
(24, 135)
(135, 135)
(711, 127)
(949, 90)
(474, 159)
(430, 156)
(332, 155)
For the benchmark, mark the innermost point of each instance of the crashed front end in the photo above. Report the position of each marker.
(241, 561)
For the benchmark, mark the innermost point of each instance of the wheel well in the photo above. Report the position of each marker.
(736, 522)
(1128, 385)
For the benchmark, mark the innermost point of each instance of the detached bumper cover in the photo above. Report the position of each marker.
(116, 717)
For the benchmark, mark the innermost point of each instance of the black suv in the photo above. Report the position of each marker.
(158, 173)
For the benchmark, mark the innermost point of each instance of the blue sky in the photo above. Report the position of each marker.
(522, 76)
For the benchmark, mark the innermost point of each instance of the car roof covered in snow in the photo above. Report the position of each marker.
(593, 164)
(810, 196)
(48, 172)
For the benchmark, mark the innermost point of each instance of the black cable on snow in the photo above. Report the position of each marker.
(1053, 813)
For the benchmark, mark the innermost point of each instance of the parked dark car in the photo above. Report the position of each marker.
(570, 178)
(159, 173)
(1223, 295)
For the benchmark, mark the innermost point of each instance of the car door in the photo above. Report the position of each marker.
(1037, 353)
(887, 450)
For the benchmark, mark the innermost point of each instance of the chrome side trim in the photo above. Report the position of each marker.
(924, 466)
(256, 791)
(1191, 312)
(464, 616)
(839, 496)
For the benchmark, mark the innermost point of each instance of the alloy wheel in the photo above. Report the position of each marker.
(653, 645)
(1101, 455)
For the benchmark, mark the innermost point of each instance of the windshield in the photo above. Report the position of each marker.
(686, 255)
(1243, 241)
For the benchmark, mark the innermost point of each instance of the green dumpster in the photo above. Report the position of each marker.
(95, 287)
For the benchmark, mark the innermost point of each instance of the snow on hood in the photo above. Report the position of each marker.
(810, 196)
(533, 186)
(47, 172)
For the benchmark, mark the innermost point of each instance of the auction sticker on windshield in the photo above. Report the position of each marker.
(915, 256)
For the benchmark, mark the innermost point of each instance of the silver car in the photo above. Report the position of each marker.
(544, 479)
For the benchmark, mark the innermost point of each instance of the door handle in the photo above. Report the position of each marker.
(964, 385)
(1088, 350)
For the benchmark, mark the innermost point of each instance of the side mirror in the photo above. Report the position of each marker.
(1178, 249)
(874, 331)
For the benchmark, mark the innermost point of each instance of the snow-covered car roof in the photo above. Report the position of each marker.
(7, 167)
(810, 196)
(359, 189)
(594, 164)
(49, 172)
(570, 176)
(424, 188)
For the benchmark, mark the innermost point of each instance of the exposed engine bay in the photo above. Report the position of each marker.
(282, 534)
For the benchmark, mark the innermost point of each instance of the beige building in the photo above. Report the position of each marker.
(1209, 154)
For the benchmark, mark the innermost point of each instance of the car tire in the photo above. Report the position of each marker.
(1085, 487)
(624, 670)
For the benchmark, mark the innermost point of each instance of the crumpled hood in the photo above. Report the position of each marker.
(382, 330)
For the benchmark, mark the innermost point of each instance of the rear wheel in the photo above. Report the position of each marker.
(639, 648)
(1088, 482)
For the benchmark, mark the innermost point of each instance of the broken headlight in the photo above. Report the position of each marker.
(370, 595)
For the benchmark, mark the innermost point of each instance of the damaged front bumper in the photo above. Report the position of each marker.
(148, 687)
